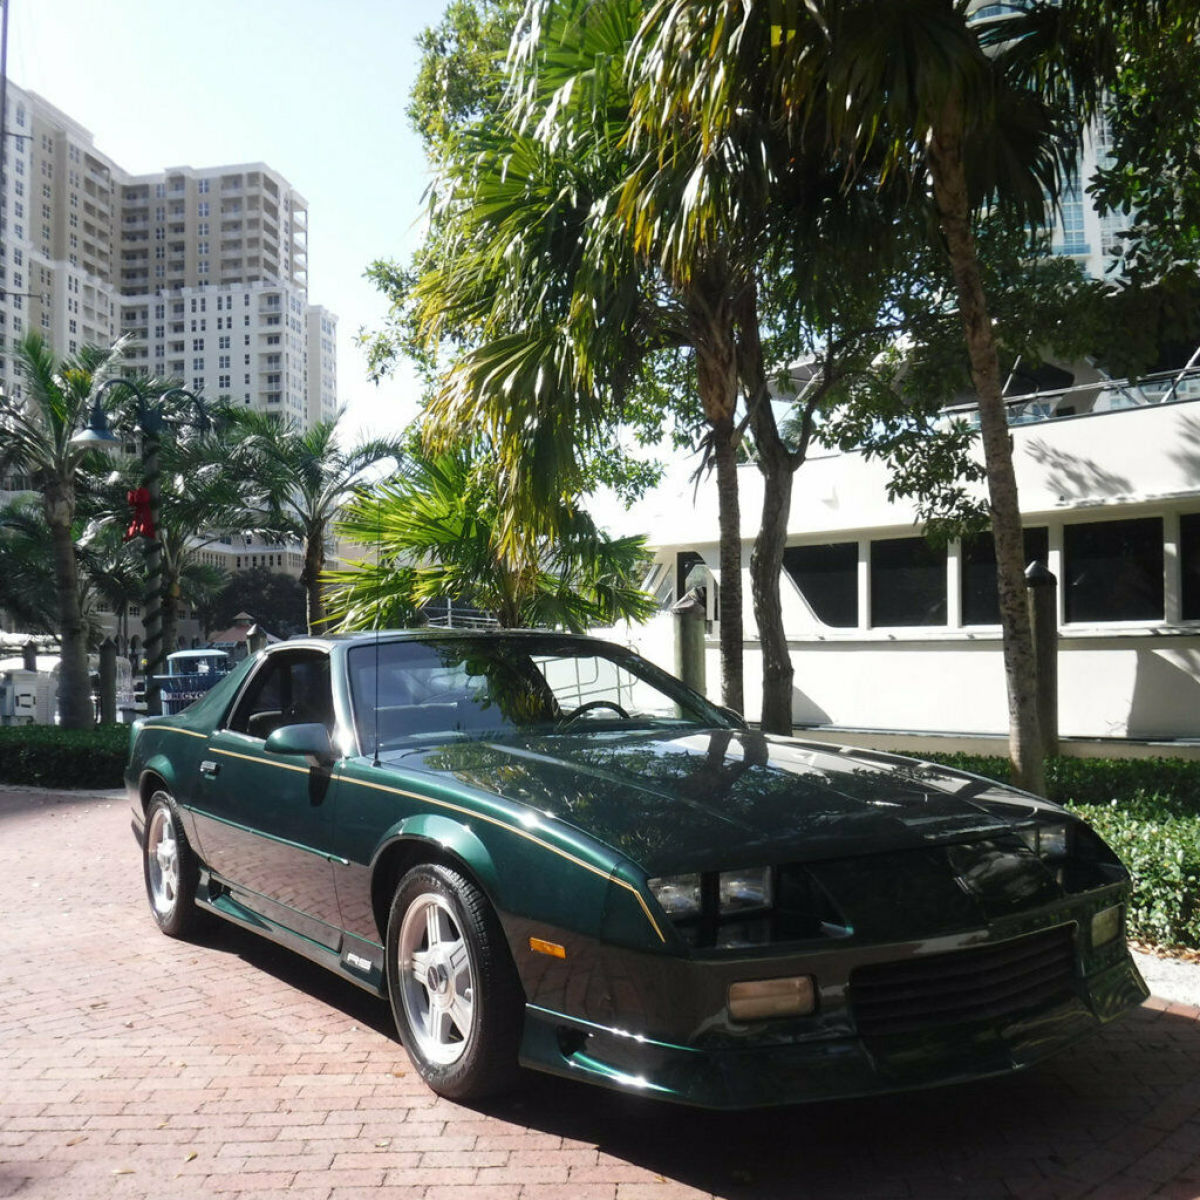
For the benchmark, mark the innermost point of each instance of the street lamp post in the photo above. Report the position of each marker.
(150, 421)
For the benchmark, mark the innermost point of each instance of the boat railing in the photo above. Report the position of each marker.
(1090, 399)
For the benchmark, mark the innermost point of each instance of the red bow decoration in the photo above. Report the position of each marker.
(142, 524)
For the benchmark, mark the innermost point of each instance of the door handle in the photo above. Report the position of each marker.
(210, 768)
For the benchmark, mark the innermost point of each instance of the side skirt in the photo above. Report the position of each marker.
(357, 960)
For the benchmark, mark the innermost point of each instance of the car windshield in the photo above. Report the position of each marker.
(468, 687)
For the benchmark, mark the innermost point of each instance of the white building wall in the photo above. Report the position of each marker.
(1117, 679)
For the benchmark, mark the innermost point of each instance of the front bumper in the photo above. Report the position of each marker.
(842, 1067)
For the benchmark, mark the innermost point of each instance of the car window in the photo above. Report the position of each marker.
(491, 686)
(289, 689)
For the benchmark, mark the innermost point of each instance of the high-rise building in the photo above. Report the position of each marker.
(204, 270)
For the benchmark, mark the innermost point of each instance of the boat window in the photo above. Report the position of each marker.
(1189, 565)
(827, 577)
(908, 582)
(980, 603)
(1114, 570)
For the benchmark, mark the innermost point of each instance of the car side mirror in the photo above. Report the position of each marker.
(310, 740)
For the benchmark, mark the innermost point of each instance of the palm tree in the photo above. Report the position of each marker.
(306, 478)
(963, 113)
(109, 573)
(555, 306)
(37, 443)
(435, 530)
(27, 588)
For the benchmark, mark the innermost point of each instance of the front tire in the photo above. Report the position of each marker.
(454, 991)
(171, 870)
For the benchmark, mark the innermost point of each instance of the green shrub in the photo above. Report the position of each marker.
(46, 756)
(1097, 780)
(1160, 844)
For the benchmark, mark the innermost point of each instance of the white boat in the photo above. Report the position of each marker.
(897, 644)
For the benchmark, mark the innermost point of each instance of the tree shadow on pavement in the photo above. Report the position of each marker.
(1116, 1115)
(1120, 1110)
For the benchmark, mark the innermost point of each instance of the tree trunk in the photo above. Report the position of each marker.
(310, 577)
(950, 191)
(777, 467)
(729, 520)
(712, 335)
(766, 563)
(74, 688)
(170, 614)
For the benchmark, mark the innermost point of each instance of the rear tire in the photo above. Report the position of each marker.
(171, 870)
(455, 995)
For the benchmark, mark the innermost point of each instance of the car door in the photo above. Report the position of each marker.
(263, 819)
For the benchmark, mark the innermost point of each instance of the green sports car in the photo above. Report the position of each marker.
(546, 852)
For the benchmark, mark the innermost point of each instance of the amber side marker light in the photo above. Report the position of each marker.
(755, 999)
(553, 949)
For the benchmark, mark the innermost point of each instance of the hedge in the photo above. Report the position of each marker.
(1096, 781)
(46, 756)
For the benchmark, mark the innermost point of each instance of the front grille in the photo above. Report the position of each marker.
(1001, 980)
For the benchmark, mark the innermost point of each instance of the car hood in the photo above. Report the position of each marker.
(698, 800)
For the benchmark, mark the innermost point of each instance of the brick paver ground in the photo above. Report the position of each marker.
(132, 1065)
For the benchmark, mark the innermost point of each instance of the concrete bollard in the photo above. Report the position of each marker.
(1042, 595)
(108, 682)
(689, 639)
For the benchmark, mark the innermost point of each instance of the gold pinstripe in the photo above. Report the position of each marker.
(469, 812)
(176, 729)
(537, 841)
(263, 762)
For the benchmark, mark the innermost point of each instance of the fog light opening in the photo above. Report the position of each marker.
(758, 999)
(1107, 925)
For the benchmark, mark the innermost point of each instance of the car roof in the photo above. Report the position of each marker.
(430, 633)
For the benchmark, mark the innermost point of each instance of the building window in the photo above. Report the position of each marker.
(1114, 570)
(1189, 566)
(980, 602)
(908, 582)
(827, 577)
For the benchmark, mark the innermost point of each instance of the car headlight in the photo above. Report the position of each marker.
(741, 891)
(737, 892)
(678, 895)
(1048, 841)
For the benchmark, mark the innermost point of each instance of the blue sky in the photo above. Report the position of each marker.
(316, 90)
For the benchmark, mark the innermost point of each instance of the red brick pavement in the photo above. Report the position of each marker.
(132, 1065)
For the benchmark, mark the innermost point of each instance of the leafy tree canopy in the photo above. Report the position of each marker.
(275, 600)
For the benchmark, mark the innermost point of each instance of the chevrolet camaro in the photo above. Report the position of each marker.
(546, 852)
